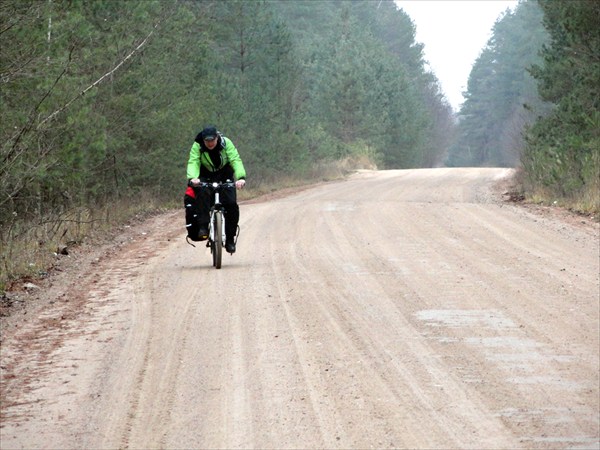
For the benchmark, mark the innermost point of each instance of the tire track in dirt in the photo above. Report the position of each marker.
(394, 309)
(360, 292)
(160, 332)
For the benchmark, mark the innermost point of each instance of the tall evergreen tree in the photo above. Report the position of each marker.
(100, 100)
(563, 149)
(501, 97)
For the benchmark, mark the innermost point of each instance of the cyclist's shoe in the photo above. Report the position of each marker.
(203, 233)
(230, 245)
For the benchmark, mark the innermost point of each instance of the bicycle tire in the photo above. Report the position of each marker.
(217, 243)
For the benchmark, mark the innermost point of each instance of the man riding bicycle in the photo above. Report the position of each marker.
(213, 158)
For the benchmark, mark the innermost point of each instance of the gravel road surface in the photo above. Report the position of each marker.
(395, 309)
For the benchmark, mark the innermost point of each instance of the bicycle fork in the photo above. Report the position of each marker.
(216, 209)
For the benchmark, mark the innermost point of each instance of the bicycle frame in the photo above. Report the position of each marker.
(216, 224)
(217, 208)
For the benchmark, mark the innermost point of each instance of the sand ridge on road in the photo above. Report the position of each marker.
(400, 309)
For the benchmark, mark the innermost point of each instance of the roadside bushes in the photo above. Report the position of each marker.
(562, 151)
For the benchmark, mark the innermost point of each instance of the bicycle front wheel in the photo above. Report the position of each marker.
(217, 242)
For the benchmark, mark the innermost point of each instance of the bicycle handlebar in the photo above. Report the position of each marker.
(215, 184)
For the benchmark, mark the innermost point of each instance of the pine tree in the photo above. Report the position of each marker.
(563, 149)
(501, 98)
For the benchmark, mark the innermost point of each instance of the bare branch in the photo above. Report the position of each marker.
(99, 80)
(29, 125)
(12, 22)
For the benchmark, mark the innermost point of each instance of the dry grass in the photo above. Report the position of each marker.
(341, 168)
(586, 201)
(325, 171)
(29, 250)
(589, 201)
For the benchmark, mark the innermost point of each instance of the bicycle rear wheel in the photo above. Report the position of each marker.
(217, 242)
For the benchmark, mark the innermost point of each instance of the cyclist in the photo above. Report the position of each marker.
(213, 157)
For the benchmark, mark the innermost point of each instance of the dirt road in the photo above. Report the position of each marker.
(406, 309)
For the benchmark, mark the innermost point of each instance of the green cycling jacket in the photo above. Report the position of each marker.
(200, 160)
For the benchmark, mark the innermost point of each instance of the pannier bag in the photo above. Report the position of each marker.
(191, 214)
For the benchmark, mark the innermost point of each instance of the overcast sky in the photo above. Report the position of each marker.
(454, 33)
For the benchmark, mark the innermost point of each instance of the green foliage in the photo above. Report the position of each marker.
(367, 81)
(501, 96)
(100, 100)
(533, 100)
(562, 149)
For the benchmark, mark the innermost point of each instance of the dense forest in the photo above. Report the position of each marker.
(562, 149)
(501, 96)
(533, 101)
(101, 99)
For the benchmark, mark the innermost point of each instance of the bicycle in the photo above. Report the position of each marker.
(216, 224)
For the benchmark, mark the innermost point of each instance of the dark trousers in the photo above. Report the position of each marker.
(205, 198)
(198, 205)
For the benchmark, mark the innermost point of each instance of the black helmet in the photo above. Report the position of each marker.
(209, 133)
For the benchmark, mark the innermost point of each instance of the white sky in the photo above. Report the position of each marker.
(454, 33)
